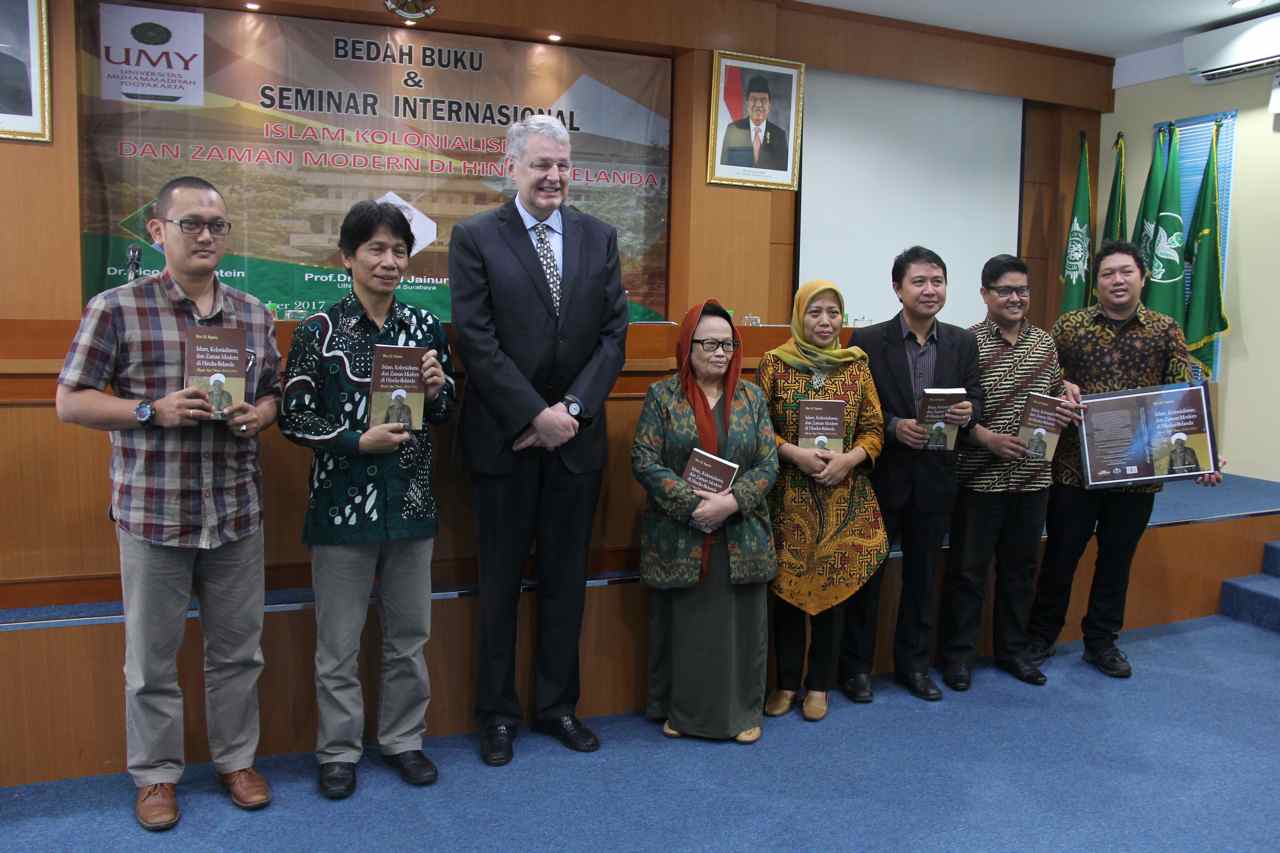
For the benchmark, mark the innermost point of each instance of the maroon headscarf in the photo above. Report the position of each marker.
(701, 409)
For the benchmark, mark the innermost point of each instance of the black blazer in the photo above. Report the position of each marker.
(917, 479)
(518, 356)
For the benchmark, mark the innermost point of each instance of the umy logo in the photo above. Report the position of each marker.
(155, 36)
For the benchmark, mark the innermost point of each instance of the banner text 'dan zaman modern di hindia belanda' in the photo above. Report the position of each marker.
(296, 120)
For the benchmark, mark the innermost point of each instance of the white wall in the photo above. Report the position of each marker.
(888, 165)
(1248, 407)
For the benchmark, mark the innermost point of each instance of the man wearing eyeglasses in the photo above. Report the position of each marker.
(186, 495)
(1004, 487)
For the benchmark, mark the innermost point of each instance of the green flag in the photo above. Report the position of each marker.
(1144, 229)
(1205, 316)
(1166, 289)
(1076, 287)
(1113, 227)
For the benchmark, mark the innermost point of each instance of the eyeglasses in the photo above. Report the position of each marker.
(192, 226)
(1006, 292)
(711, 344)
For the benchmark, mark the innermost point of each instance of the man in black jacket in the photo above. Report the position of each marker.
(916, 486)
(541, 324)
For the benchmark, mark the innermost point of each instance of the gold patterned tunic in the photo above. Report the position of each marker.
(830, 540)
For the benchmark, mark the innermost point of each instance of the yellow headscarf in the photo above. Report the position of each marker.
(802, 355)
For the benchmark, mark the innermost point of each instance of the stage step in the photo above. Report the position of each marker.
(1271, 559)
(1254, 599)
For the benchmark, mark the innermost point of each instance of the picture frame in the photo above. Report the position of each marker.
(24, 71)
(756, 121)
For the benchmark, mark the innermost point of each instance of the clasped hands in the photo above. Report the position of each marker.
(551, 427)
(826, 467)
(190, 407)
(712, 510)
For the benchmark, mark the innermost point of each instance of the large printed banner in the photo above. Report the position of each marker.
(296, 120)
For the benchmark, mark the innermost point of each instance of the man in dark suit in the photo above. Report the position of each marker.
(916, 486)
(754, 141)
(540, 320)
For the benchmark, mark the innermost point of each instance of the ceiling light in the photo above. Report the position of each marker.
(252, 7)
(1243, 4)
(554, 37)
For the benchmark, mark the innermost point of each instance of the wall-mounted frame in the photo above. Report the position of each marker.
(757, 113)
(24, 70)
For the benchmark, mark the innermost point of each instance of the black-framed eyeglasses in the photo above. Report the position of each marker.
(711, 344)
(1006, 292)
(192, 226)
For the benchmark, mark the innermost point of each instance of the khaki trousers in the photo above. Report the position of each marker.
(342, 577)
(159, 582)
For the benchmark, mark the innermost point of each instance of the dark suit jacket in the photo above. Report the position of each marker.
(518, 356)
(917, 479)
(738, 150)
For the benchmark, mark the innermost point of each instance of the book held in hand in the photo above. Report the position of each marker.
(215, 363)
(821, 425)
(932, 416)
(709, 472)
(1039, 428)
(397, 393)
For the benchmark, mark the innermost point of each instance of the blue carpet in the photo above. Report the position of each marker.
(1183, 756)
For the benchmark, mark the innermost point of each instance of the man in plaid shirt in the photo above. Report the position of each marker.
(185, 495)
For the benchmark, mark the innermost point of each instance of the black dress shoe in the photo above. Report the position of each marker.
(1038, 651)
(337, 779)
(858, 688)
(414, 766)
(495, 744)
(1109, 661)
(958, 676)
(920, 685)
(570, 731)
(1026, 672)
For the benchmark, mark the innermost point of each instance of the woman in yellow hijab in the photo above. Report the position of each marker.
(827, 527)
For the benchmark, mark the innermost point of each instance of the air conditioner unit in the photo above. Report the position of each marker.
(1252, 47)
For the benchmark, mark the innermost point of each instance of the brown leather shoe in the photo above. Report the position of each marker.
(157, 806)
(247, 788)
(779, 703)
(815, 705)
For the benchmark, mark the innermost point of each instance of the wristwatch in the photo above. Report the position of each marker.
(145, 412)
(574, 407)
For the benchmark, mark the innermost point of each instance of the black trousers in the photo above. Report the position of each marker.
(1119, 519)
(789, 645)
(920, 534)
(1006, 526)
(545, 506)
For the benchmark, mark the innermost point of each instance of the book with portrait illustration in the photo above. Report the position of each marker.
(932, 416)
(1039, 428)
(215, 363)
(709, 472)
(821, 424)
(397, 393)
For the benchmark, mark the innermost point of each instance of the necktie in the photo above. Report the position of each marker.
(755, 144)
(548, 259)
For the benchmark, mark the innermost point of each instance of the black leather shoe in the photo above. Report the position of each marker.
(1038, 651)
(570, 731)
(414, 766)
(920, 685)
(337, 779)
(495, 744)
(858, 688)
(1022, 670)
(1110, 661)
(958, 676)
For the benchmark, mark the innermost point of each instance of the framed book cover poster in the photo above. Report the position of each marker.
(757, 113)
(1147, 435)
(24, 70)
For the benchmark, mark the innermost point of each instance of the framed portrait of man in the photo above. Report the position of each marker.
(757, 113)
(24, 70)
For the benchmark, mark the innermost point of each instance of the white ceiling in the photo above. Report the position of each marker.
(1106, 27)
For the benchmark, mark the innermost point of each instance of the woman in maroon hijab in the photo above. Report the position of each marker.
(707, 554)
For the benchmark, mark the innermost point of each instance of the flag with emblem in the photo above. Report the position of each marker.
(1076, 287)
(1144, 229)
(1206, 319)
(1166, 289)
(1113, 227)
